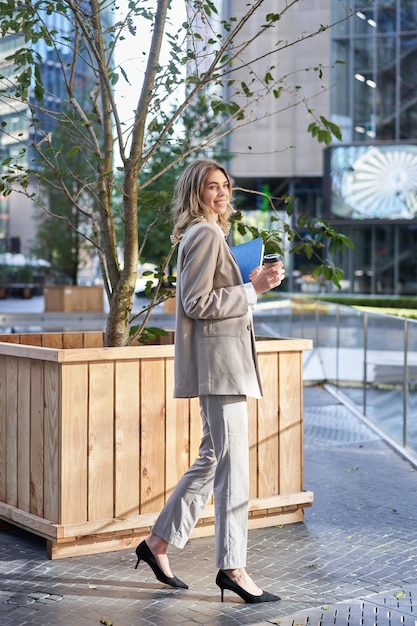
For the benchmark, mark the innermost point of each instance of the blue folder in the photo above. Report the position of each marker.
(248, 255)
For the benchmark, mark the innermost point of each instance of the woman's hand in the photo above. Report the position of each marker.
(267, 277)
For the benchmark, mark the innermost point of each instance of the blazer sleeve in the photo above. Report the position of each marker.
(205, 260)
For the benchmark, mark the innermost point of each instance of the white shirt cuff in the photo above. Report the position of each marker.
(251, 294)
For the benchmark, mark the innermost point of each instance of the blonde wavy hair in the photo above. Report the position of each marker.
(188, 208)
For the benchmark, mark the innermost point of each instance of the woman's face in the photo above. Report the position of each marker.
(216, 193)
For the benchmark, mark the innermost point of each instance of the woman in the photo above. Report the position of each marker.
(215, 359)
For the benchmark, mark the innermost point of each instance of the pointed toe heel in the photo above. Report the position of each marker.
(144, 554)
(225, 582)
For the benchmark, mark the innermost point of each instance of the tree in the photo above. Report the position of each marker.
(208, 47)
(65, 242)
(154, 217)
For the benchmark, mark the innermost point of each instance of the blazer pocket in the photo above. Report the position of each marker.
(224, 362)
(221, 328)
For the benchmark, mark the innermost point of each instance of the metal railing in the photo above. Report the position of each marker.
(369, 358)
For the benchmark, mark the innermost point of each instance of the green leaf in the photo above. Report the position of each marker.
(124, 75)
(273, 17)
(346, 241)
(324, 136)
(308, 249)
(75, 150)
(326, 272)
(334, 128)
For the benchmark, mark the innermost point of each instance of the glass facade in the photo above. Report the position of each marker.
(374, 55)
(17, 128)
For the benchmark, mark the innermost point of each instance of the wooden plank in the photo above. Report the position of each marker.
(286, 502)
(29, 352)
(177, 433)
(152, 455)
(112, 543)
(3, 422)
(126, 439)
(292, 517)
(72, 340)
(128, 353)
(167, 351)
(273, 344)
(11, 431)
(54, 298)
(95, 545)
(34, 523)
(10, 338)
(100, 441)
(94, 527)
(96, 353)
(291, 431)
(268, 426)
(23, 440)
(51, 479)
(74, 438)
(72, 298)
(31, 339)
(36, 437)
(93, 339)
(52, 340)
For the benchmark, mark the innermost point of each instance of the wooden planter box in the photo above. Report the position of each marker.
(74, 298)
(92, 442)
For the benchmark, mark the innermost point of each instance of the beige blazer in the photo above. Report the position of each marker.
(214, 339)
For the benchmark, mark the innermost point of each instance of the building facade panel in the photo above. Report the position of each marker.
(279, 145)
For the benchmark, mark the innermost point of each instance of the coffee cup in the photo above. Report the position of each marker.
(272, 259)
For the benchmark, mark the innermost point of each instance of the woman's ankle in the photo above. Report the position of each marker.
(156, 544)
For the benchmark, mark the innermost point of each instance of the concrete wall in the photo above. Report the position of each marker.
(280, 144)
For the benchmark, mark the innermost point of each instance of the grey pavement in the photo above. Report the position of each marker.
(352, 561)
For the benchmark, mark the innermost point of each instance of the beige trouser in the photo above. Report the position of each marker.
(222, 467)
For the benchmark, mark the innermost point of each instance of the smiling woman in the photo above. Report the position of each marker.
(216, 194)
(215, 360)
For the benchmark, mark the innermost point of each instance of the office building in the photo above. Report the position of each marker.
(17, 212)
(372, 96)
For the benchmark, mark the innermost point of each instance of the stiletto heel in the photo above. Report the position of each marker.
(225, 582)
(144, 553)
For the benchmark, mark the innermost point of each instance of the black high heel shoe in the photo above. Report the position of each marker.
(144, 554)
(225, 582)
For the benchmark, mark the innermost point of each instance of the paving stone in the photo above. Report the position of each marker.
(359, 539)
